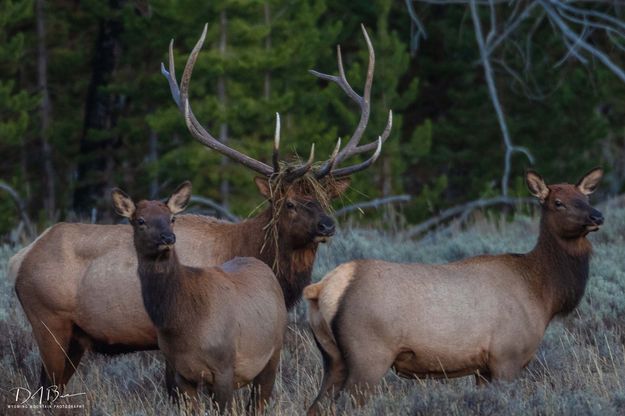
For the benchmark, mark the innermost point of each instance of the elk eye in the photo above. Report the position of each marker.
(173, 220)
(290, 205)
(141, 221)
(559, 203)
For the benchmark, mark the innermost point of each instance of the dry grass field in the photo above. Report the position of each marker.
(579, 369)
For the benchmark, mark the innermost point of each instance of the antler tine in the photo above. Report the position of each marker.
(364, 102)
(370, 146)
(360, 166)
(301, 170)
(181, 97)
(171, 75)
(276, 145)
(329, 165)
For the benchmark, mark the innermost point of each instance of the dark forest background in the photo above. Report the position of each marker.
(83, 106)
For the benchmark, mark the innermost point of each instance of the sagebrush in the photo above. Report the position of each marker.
(579, 369)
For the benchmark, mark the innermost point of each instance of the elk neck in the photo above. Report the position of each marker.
(161, 285)
(293, 267)
(558, 270)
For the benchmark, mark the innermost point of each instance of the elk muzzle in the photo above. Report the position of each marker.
(167, 241)
(325, 229)
(595, 219)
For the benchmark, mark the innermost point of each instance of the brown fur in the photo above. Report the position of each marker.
(223, 326)
(59, 275)
(484, 315)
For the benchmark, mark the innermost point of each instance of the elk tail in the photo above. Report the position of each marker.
(15, 262)
(333, 361)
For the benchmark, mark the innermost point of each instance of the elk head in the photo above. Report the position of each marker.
(299, 210)
(566, 210)
(152, 221)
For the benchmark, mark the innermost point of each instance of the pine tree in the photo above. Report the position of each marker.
(16, 102)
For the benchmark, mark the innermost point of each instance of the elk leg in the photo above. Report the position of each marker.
(505, 371)
(333, 379)
(74, 354)
(262, 386)
(170, 381)
(364, 373)
(223, 388)
(53, 339)
(187, 391)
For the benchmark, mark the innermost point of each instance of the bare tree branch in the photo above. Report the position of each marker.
(510, 27)
(492, 90)
(577, 39)
(214, 205)
(463, 210)
(374, 203)
(21, 209)
(417, 30)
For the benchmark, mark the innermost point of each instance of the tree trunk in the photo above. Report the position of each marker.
(224, 187)
(97, 142)
(153, 159)
(45, 111)
(267, 83)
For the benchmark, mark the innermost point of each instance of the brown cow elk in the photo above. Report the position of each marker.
(484, 315)
(79, 281)
(221, 325)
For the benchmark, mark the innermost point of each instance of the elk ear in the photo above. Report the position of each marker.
(122, 203)
(263, 186)
(178, 201)
(338, 187)
(536, 185)
(589, 182)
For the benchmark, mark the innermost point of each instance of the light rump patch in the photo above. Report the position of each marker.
(16, 261)
(338, 280)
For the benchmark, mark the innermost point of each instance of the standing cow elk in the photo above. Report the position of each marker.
(78, 285)
(221, 325)
(484, 315)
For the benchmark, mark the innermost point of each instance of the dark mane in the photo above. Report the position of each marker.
(294, 270)
(164, 283)
(158, 285)
(293, 267)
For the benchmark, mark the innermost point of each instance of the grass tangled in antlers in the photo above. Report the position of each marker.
(279, 187)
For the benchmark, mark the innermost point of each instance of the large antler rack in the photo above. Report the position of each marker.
(364, 102)
(181, 96)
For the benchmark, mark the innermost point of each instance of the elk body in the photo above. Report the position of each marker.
(482, 316)
(221, 325)
(78, 285)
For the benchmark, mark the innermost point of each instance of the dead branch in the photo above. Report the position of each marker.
(463, 210)
(21, 209)
(214, 205)
(492, 90)
(554, 10)
(374, 203)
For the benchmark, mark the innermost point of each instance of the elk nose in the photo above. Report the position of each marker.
(326, 227)
(168, 238)
(596, 217)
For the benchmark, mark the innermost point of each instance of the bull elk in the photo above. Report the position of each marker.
(484, 315)
(220, 325)
(78, 284)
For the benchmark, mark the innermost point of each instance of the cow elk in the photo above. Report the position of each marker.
(482, 316)
(220, 325)
(79, 281)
